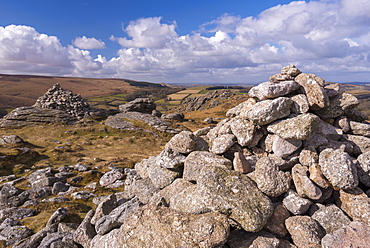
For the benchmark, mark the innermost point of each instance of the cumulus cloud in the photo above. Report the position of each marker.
(330, 38)
(88, 43)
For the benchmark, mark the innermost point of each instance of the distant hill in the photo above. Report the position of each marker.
(23, 90)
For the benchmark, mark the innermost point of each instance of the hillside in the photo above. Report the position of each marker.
(23, 90)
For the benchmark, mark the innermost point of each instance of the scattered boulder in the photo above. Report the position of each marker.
(142, 105)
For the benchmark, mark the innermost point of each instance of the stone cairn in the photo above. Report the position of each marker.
(289, 167)
(60, 99)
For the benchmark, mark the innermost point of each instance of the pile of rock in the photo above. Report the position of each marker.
(141, 109)
(289, 168)
(65, 100)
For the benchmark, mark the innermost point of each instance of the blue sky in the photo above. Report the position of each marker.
(232, 41)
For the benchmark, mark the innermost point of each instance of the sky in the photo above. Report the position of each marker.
(192, 41)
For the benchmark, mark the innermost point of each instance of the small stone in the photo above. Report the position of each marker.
(13, 234)
(305, 231)
(342, 122)
(269, 179)
(108, 240)
(16, 213)
(361, 143)
(300, 104)
(241, 164)
(314, 90)
(243, 130)
(104, 208)
(59, 187)
(222, 143)
(304, 186)
(308, 156)
(317, 177)
(285, 147)
(110, 177)
(276, 223)
(291, 70)
(363, 168)
(184, 142)
(296, 204)
(338, 105)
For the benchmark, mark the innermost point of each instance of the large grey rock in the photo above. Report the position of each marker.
(57, 239)
(344, 176)
(359, 128)
(314, 90)
(304, 186)
(57, 216)
(35, 240)
(267, 111)
(85, 231)
(330, 217)
(305, 231)
(104, 208)
(361, 144)
(243, 130)
(109, 240)
(196, 160)
(119, 123)
(268, 90)
(169, 159)
(276, 223)
(296, 204)
(269, 179)
(328, 131)
(285, 147)
(169, 228)
(222, 143)
(11, 139)
(186, 142)
(110, 177)
(28, 116)
(13, 234)
(355, 203)
(116, 217)
(142, 105)
(300, 127)
(235, 194)
(338, 105)
(143, 189)
(363, 168)
(355, 234)
(290, 70)
(300, 104)
(161, 177)
(16, 213)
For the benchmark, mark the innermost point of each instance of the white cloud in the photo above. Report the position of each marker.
(88, 43)
(325, 36)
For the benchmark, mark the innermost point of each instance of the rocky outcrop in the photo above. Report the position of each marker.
(206, 101)
(141, 109)
(26, 116)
